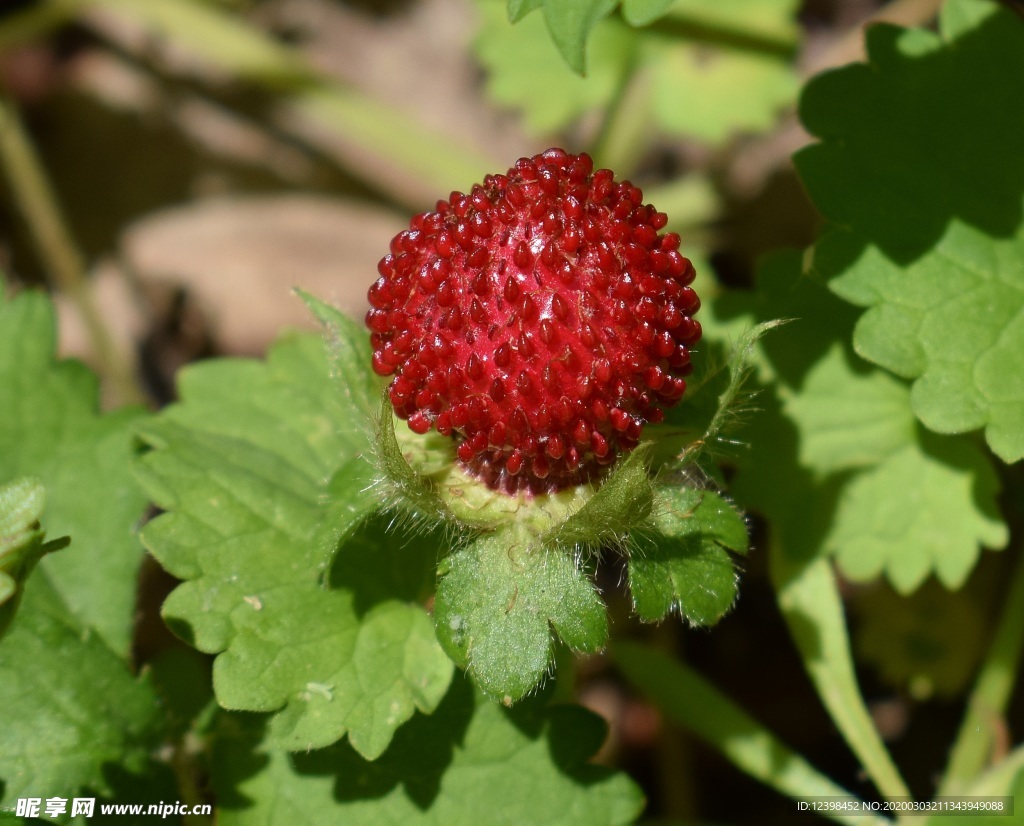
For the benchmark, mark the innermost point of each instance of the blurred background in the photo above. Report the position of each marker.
(171, 169)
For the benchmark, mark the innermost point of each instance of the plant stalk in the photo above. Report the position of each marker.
(809, 599)
(987, 704)
(34, 196)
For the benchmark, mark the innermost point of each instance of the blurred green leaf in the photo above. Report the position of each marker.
(643, 12)
(21, 541)
(526, 72)
(518, 9)
(712, 69)
(928, 643)
(570, 25)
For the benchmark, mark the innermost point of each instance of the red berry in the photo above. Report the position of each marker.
(540, 321)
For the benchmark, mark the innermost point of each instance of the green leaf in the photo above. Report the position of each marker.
(50, 428)
(835, 414)
(644, 12)
(682, 563)
(931, 246)
(849, 414)
(570, 25)
(927, 507)
(269, 521)
(70, 707)
(471, 761)
(499, 600)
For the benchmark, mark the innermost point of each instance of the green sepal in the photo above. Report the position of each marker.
(683, 562)
(498, 602)
(713, 400)
(412, 489)
(621, 503)
(349, 353)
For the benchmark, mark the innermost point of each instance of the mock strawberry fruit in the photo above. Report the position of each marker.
(540, 320)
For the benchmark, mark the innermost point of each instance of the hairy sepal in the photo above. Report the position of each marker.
(500, 604)
(717, 398)
(683, 562)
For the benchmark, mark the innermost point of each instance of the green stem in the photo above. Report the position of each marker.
(625, 129)
(183, 764)
(809, 598)
(35, 198)
(692, 702)
(987, 704)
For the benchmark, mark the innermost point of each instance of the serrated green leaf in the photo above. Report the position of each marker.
(471, 761)
(70, 706)
(570, 24)
(833, 414)
(261, 471)
(849, 415)
(928, 506)
(682, 562)
(498, 602)
(927, 245)
(622, 502)
(51, 429)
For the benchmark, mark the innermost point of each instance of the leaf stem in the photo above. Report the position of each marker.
(809, 599)
(35, 198)
(620, 139)
(692, 702)
(988, 701)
